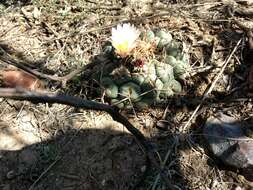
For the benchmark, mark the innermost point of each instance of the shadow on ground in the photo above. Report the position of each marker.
(105, 158)
(84, 159)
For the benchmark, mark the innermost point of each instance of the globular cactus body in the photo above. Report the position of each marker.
(151, 83)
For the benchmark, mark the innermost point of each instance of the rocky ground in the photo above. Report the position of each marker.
(53, 146)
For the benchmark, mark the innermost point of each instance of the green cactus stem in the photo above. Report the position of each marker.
(130, 90)
(148, 89)
(120, 80)
(110, 88)
(128, 84)
(174, 49)
(166, 91)
(164, 72)
(171, 60)
(164, 39)
(138, 78)
(180, 69)
(150, 70)
(163, 35)
(150, 36)
(175, 86)
(117, 103)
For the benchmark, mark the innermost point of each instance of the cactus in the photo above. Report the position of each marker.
(149, 84)
(150, 35)
(165, 38)
(130, 90)
(110, 88)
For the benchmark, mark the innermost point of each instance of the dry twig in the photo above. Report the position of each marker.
(206, 95)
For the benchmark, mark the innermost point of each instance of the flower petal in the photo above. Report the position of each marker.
(123, 38)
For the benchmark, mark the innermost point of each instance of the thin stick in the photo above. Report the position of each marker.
(206, 95)
(43, 173)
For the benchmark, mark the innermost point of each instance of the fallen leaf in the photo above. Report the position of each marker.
(14, 79)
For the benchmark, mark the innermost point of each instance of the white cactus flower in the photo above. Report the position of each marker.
(124, 38)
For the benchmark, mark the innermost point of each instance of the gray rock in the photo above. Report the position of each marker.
(227, 141)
